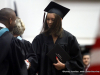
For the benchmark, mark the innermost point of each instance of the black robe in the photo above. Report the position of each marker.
(42, 44)
(30, 55)
(11, 56)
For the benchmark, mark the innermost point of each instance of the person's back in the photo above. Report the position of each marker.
(27, 52)
(17, 31)
(11, 58)
(4, 55)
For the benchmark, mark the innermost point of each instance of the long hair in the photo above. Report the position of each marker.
(55, 29)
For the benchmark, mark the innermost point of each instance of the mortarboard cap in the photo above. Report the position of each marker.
(57, 9)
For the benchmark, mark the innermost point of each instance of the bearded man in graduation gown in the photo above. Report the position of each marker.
(11, 58)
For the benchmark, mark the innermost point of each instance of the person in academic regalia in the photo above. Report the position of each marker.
(52, 33)
(11, 57)
(17, 31)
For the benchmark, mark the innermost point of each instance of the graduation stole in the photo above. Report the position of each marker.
(2, 31)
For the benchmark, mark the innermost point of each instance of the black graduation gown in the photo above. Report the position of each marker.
(25, 47)
(11, 58)
(43, 44)
(30, 55)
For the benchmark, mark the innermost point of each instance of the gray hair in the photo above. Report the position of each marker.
(19, 28)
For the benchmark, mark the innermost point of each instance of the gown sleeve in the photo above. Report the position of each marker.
(17, 58)
(31, 56)
(36, 47)
(75, 64)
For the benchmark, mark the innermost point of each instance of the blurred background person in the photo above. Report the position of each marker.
(86, 60)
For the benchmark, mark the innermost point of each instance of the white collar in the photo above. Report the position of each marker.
(2, 25)
(87, 65)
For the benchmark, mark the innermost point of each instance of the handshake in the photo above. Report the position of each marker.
(28, 64)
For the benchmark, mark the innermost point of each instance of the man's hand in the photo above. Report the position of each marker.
(59, 65)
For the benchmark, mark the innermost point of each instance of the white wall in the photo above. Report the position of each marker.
(6, 4)
(81, 21)
(31, 12)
